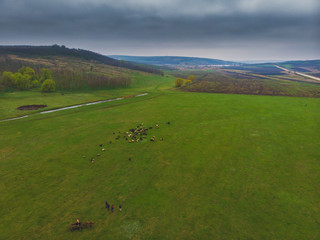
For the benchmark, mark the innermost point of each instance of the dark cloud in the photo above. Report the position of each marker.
(173, 26)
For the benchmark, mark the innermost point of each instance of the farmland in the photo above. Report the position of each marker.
(262, 80)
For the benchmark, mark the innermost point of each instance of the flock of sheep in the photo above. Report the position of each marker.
(133, 135)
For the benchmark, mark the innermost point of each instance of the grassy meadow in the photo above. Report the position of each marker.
(229, 167)
(141, 82)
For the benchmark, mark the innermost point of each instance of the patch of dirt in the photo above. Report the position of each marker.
(31, 107)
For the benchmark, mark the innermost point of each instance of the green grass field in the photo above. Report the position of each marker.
(141, 82)
(229, 167)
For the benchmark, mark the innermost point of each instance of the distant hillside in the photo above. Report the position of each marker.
(56, 50)
(311, 67)
(302, 66)
(173, 60)
(289, 64)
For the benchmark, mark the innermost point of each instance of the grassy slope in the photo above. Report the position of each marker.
(230, 167)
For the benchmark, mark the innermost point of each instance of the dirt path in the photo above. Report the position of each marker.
(298, 73)
(74, 106)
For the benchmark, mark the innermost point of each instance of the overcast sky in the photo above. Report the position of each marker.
(223, 29)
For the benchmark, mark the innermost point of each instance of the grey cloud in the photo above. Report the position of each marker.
(109, 23)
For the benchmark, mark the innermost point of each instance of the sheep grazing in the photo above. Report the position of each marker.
(98, 154)
(83, 156)
(138, 133)
(103, 149)
(92, 160)
(100, 145)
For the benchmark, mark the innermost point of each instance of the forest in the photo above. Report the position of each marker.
(23, 75)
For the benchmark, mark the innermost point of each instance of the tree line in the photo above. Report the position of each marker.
(26, 78)
(72, 80)
(58, 79)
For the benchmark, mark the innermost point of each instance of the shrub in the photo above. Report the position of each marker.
(188, 81)
(179, 82)
(191, 78)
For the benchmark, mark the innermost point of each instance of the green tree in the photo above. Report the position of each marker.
(35, 83)
(45, 74)
(7, 80)
(179, 82)
(21, 81)
(28, 71)
(48, 86)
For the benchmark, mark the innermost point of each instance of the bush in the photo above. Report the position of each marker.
(48, 86)
(191, 78)
(179, 82)
(188, 82)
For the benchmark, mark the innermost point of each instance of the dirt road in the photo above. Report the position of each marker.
(298, 73)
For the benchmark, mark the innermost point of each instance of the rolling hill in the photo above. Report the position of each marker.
(173, 61)
(56, 50)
